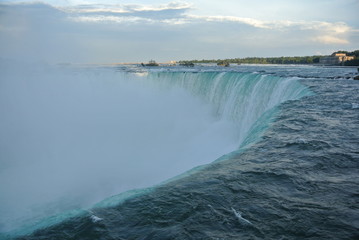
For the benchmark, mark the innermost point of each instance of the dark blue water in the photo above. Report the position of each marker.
(296, 178)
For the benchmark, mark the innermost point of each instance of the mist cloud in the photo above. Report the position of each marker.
(72, 137)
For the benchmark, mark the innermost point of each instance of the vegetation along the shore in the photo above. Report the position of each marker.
(281, 60)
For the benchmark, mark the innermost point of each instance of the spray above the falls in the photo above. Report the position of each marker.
(241, 98)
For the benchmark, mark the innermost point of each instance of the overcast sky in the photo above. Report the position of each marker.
(93, 31)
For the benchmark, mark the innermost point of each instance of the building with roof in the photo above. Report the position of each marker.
(335, 59)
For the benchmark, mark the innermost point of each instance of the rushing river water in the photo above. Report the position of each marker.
(245, 152)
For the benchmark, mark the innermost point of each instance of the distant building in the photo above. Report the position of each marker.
(335, 59)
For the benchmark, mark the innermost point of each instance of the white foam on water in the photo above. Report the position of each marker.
(355, 105)
(240, 218)
(95, 219)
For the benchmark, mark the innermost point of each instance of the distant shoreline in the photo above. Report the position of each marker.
(166, 64)
(340, 58)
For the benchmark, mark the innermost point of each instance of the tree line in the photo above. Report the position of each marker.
(279, 60)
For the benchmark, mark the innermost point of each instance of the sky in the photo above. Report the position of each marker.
(111, 31)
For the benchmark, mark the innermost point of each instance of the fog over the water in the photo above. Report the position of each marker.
(72, 137)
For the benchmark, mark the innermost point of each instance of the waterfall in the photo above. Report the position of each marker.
(71, 138)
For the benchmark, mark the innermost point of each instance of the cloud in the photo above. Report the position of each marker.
(113, 19)
(177, 14)
(330, 40)
(329, 33)
(115, 33)
(248, 21)
(166, 11)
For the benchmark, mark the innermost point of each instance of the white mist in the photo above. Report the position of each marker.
(72, 137)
